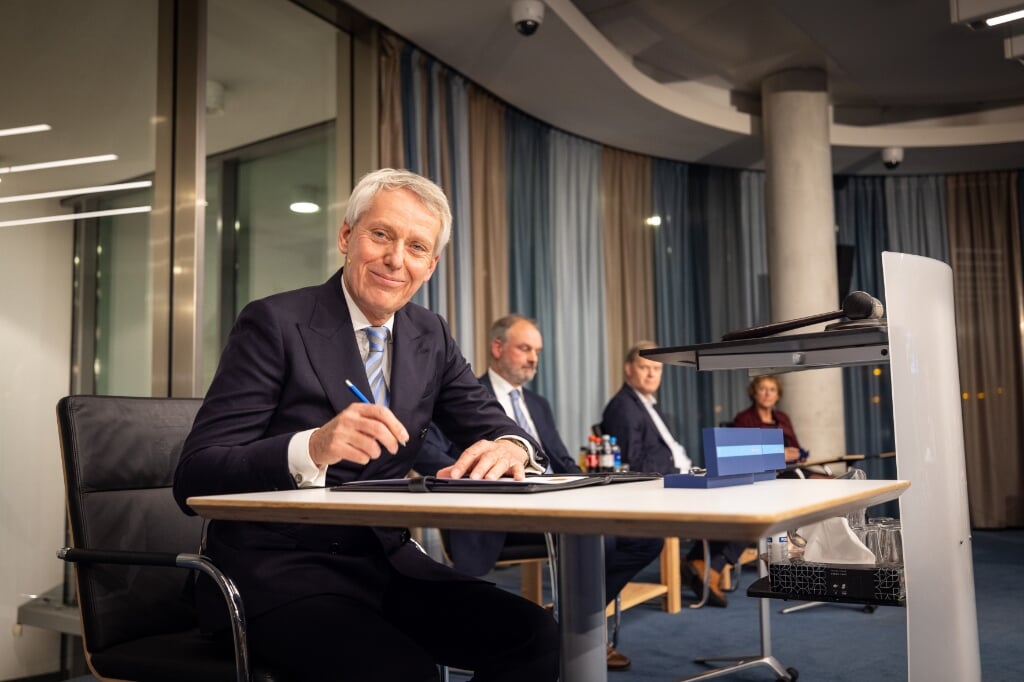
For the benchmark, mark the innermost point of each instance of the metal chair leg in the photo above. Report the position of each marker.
(549, 540)
(707, 576)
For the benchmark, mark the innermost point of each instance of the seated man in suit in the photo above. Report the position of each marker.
(633, 417)
(514, 349)
(334, 602)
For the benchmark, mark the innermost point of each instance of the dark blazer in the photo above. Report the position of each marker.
(626, 418)
(282, 371)
(474, 552)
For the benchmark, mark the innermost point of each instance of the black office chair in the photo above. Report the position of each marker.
(119, 458)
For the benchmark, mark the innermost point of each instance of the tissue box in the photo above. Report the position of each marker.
(799, 579)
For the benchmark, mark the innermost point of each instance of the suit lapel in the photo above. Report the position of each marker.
(331, 345)
(485, 381)
(409, 370)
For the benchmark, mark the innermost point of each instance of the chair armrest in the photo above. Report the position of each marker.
(196, 562)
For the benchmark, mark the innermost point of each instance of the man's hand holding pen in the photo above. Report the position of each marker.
(359, 433)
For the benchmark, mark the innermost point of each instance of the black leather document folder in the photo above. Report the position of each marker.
(530, 484)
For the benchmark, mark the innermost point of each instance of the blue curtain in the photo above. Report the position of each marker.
(916, 214)
(422, 147)
(531, 266)
(576, 335)
(681, 284)
(861, 213)
(738, 257)
(461, 246)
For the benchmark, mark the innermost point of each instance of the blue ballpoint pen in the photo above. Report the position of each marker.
(362, 398)
(356, 392)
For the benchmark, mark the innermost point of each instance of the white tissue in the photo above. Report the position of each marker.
(832, 542)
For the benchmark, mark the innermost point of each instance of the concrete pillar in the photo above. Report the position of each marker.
(801, 241)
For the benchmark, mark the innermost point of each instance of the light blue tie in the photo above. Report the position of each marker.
(377, 336)
(517, 410)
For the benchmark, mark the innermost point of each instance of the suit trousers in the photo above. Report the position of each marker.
(472, 625)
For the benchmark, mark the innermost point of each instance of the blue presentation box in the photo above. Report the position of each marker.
(691, 481)
(730, 451)
(735, 456)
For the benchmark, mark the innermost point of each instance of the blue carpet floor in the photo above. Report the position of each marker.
(837, 643)
(834, 643)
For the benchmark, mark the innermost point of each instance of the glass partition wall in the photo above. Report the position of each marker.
(271, 74)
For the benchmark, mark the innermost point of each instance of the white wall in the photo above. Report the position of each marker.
(35, 343)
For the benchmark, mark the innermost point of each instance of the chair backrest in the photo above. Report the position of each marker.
(119, 458)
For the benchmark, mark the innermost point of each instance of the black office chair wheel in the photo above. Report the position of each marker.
(869, 608)
(793, 675)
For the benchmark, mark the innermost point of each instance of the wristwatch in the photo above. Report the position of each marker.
(521, 444)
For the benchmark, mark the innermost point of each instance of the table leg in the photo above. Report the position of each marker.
(740, 663)
(581, 608)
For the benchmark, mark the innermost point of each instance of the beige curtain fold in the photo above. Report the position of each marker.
(488, 196)
(628, 242)
(985, 250)
(391, 154)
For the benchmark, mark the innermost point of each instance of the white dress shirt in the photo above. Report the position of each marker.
(682, 462)
(300, 463)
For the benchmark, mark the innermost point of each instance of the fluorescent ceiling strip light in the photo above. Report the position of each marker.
(75, 216)
(39, 128)
(1004, 18)
(81, 190)
(56, 164)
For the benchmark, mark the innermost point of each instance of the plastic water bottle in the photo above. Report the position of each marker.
(616, 455)
(606, 457)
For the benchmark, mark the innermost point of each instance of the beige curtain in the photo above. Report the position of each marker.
(985, 250)
(391, 155)
(490, 218)
(629, 271)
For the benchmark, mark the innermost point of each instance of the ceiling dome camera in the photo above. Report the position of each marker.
(892, 157)
(527, 16)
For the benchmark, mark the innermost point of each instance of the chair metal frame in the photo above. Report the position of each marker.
(86, 483)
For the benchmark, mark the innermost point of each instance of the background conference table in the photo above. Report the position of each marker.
(581, 516)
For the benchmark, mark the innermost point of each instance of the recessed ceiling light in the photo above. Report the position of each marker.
(75, 216)
(39, 128)
(1005, 18)
(56, 164)
(81, 190)
(304, 207)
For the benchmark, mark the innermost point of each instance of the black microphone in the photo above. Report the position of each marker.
(858, 305)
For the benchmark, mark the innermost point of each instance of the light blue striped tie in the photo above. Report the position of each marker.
(517, 409)
(377, 336)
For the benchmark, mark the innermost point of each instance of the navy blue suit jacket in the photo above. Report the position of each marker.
(626, 418)
(474, 552)
(282, 371)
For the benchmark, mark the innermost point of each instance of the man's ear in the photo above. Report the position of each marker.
(344, 233)
(496, 348)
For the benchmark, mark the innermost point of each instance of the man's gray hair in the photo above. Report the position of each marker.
(633, 353)
(499, 328)
(389, 179)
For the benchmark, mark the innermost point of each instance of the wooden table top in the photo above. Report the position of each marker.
(642, 508)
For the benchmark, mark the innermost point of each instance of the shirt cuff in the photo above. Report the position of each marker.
(304, 472)
(532, 466)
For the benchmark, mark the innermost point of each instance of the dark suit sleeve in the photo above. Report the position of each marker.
(464, 410)
(615, 421)
(230, 449)
(641, 445)
(436, 453)
(554, 447)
